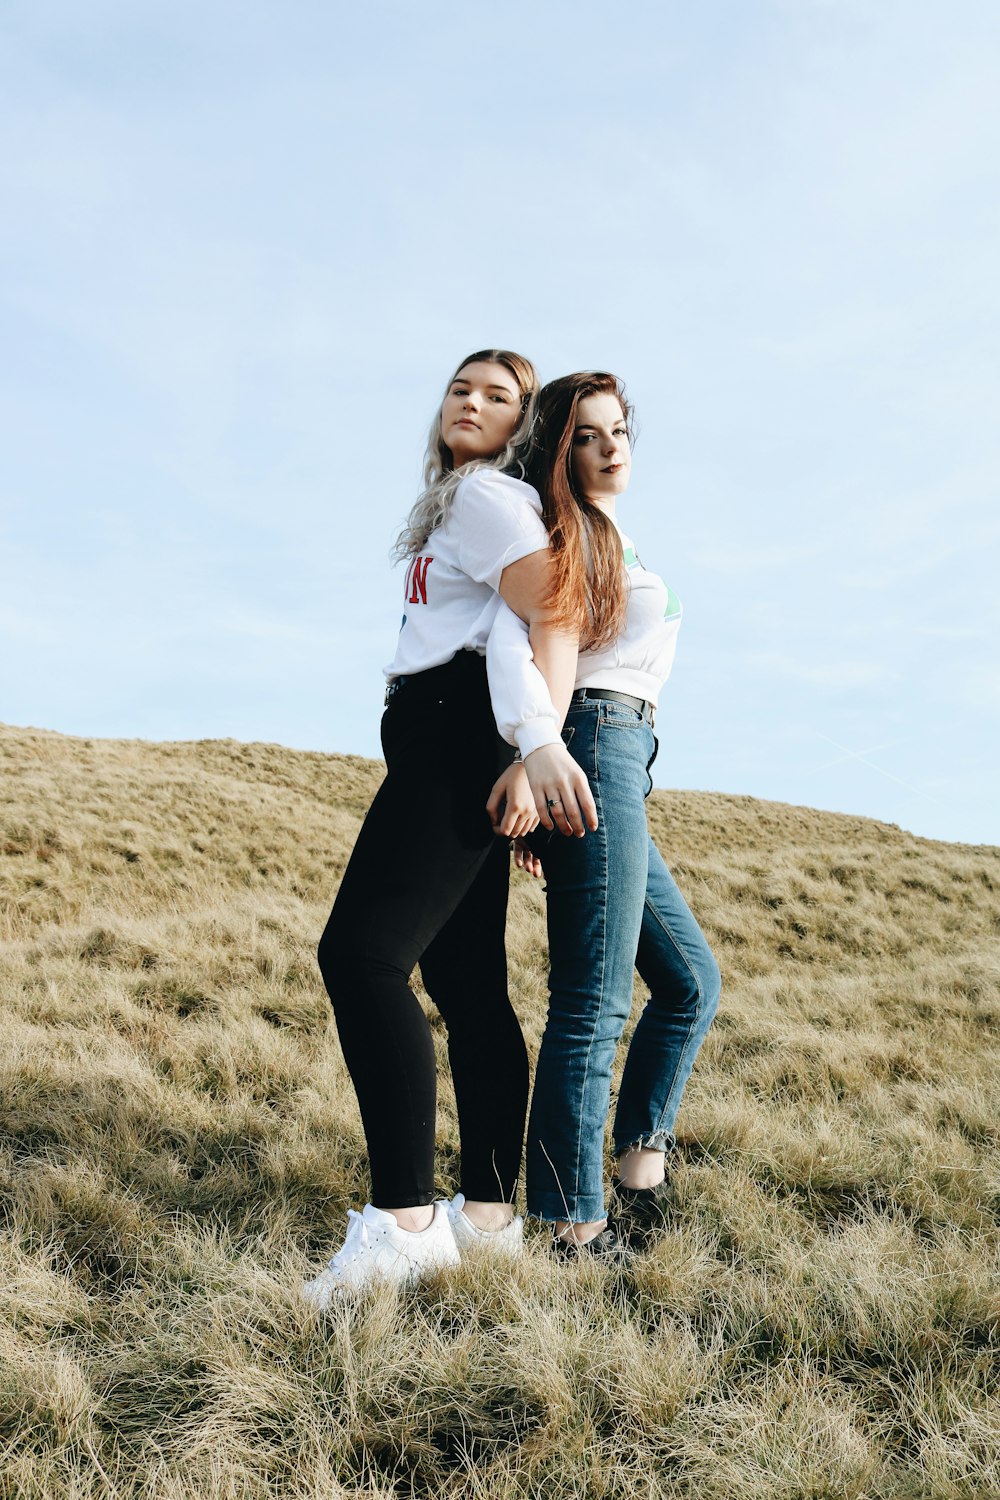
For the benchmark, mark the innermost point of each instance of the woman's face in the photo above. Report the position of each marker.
(481, 411)
(601, 456)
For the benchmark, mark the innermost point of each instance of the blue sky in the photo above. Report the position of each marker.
(243, 247)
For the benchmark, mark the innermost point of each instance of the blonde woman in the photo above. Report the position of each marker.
(427, 881)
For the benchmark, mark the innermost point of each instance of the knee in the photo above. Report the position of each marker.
(326, 954)
(325, 957)
(696, 999)
(341, 962)
(709, 979)
(589, 1017)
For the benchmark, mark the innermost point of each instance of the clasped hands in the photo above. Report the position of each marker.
(547, 788)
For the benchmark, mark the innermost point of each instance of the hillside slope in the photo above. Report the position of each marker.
(180, 1141)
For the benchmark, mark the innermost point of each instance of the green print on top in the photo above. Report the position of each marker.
(631, 559)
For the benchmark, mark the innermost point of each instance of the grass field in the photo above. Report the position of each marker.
(180, 1142)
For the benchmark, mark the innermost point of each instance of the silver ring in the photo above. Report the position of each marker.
(551, 801)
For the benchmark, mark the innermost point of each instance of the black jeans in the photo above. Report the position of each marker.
(427, 884)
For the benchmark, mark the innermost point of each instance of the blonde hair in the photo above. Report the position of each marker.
(441, 478)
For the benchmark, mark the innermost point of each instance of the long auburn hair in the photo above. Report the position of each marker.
(588, 588)
(441, 478)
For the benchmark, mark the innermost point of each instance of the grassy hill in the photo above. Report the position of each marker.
(179, 1142)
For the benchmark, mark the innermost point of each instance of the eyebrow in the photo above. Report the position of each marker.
(507, 388)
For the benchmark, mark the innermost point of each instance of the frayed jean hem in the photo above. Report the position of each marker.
(656, 1140)
(583, 1211)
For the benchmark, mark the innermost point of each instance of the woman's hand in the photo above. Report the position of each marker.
(511, 806)
(526, 859)
(561, 790)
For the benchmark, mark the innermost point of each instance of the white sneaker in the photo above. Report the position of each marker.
(377, 1249)
(508, 1241)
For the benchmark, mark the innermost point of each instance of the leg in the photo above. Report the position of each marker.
(422, 844)
(677, 964)
(465, 973)
(596, 886)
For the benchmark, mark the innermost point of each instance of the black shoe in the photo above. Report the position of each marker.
(642, 1211)
(608, 1247)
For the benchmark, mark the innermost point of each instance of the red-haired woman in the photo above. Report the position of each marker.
(612, 903)
(427, 881)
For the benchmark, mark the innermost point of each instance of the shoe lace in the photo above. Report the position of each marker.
(355, 1244)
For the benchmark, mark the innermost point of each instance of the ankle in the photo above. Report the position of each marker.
(488, 1216)
(579, 1234)
(641, 1167)
(413, 1220)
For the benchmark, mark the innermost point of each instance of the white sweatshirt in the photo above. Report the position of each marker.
(637, 662)
(450, 598)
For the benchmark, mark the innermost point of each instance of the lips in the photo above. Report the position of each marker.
(466, 422)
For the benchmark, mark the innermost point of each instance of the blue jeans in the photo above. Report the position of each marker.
(612, 906)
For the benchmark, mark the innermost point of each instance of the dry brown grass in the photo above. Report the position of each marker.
(180, 1141)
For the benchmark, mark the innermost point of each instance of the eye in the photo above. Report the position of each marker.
(623, 431)
(503, 400)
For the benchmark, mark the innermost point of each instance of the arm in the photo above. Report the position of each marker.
(525, 717)
(555, 653)
(525, 712)
(503, 542)
(561, 790)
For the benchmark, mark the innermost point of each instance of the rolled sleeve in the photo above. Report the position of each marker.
(522, 704)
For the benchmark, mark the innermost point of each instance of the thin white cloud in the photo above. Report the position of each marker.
(863, 757)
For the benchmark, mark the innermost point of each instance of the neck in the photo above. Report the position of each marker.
(605, 503)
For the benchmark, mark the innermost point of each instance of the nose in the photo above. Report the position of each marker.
(471, 401)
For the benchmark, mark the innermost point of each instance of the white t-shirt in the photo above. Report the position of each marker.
(637, 662)
(450, 597)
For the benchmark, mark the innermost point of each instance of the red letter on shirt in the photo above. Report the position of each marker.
(417, 581)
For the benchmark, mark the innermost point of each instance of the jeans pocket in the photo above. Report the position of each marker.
(649, 764)
(568, 732)
(620, 716)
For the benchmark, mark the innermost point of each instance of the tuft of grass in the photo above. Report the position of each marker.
(180, 1142)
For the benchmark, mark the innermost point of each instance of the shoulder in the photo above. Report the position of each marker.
(492, 488)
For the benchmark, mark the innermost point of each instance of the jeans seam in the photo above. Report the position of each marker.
(693, 1025)
(600, 1007)
(681, 1058)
